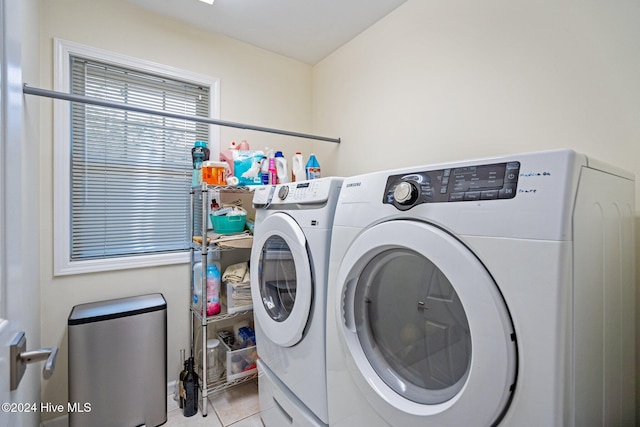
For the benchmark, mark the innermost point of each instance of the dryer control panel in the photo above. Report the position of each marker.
(461, 184)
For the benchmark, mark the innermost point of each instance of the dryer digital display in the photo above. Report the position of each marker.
(468, 183)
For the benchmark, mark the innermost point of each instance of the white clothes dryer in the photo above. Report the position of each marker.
(486, 292)
(289, 264)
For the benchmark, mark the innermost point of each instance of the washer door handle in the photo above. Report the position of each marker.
(348, 300)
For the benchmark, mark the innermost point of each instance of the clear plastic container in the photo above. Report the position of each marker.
(214, 173)
(239, 362)
(215, 364)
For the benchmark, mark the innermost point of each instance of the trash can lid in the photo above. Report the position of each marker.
(115, 308)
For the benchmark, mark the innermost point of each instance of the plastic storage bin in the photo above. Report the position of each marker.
(118, 362)
(228, 224)
(235, 305)
(240, 362)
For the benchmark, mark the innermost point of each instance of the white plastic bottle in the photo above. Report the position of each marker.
(264, 170)
(297, 167)
(281, 168)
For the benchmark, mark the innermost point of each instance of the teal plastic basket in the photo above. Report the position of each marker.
(228, 224)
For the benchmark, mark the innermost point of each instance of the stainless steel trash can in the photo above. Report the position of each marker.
(118, 362)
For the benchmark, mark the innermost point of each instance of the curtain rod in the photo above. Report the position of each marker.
(94, 101)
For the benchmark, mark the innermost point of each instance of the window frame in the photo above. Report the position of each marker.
(63, 49)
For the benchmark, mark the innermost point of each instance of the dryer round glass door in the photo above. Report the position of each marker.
(277, 278)
(412, 326)
(281, 283)
(427, 331)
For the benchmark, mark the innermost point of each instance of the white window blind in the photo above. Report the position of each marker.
(131, 172)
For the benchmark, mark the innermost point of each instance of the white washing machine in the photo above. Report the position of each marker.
(489, 292)
(289, 264)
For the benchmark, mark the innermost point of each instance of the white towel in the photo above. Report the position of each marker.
(237, 276)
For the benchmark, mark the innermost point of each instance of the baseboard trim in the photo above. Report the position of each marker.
(62, 421)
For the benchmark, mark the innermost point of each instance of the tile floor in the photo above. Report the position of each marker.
(235, 407)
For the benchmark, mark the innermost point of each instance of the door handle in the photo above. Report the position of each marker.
(49, 354)
(20, 358)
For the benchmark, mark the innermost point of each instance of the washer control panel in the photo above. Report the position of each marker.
(314, 191)
(462, 184)
(301, 192)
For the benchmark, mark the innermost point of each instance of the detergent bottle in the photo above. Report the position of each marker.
(213, 289)
(273, 172)
(199, 154)
(297, 167)
(227, 156)
(264, 170)
(313, 167)
(281, 168)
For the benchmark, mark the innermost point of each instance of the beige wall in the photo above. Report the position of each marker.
(451, 80)
(434, 81)
(257, 87)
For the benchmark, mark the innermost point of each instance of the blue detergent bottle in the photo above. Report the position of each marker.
(313, 167)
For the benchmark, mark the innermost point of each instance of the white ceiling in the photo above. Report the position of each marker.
(305, 30)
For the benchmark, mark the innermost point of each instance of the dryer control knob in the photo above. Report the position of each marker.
(404, 193)
(283, 192)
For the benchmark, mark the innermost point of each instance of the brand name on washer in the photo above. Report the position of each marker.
(354, 184)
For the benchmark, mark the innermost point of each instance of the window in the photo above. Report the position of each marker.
(122, 178)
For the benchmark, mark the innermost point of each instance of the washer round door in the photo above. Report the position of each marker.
(427, 332)
(281, 281)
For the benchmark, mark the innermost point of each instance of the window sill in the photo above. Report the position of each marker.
(66, 267)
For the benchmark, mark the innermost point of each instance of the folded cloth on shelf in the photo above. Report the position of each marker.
(240, 299)
(237, 277)
(240, 287)
(241, 242)
(236, 272)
